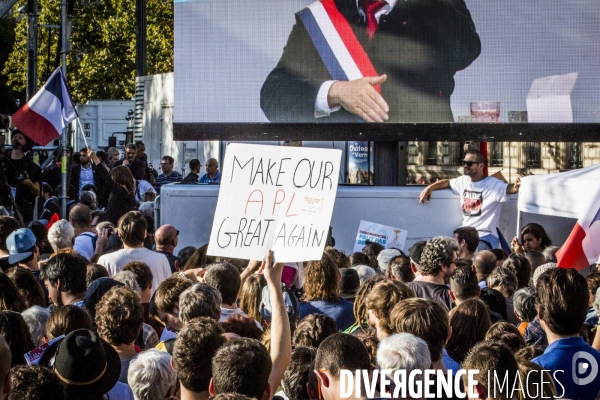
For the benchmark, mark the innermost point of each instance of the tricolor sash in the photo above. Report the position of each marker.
(332, 35)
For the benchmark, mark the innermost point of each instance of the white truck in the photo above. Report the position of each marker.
(191, 209)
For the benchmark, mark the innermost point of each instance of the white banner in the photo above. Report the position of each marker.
(386, 236)
(275, 197)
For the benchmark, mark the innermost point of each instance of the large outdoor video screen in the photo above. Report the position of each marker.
(260, 61)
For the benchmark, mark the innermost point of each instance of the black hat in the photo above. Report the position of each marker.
(87, 365)
(349, 284)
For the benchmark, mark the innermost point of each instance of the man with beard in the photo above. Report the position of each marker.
(84, 173)
(23, 175)
(481, 197)
(438, 262)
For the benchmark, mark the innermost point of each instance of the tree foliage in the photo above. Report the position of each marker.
(7, 39)
(101, 61)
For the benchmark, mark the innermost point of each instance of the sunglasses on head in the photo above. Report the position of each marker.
(469, 163)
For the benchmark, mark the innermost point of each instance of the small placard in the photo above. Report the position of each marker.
(387, 236)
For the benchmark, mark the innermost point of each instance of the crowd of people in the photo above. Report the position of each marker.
(123, 317)
(101, 180)
(101, 306)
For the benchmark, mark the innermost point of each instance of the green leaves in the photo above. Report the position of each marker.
(101, 64)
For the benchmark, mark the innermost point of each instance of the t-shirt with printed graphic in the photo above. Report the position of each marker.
(480, 202)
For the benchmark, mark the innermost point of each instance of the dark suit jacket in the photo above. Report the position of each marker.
(51, 175)
(420, 45)
(102, 196)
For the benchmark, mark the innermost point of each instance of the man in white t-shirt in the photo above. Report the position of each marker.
(481, 197)
(132, 232)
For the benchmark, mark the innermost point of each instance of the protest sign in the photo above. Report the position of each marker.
(386, 236)
(274, 197)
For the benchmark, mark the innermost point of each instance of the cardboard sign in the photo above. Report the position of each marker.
(274, 197)
(386, 236)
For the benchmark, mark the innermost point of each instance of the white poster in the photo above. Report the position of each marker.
(274, 197)
(387, 236)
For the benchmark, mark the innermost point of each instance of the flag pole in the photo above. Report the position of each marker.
(64, 142)
(82, 133)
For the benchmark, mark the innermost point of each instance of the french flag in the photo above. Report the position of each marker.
(45, 115)
(582, 247)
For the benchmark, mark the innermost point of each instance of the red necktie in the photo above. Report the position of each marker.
(370, 7)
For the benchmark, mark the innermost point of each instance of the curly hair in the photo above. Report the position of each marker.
(32, 382)
(142, 272)
(360, 303)
(313, 329)
(371, 342)
(252, 296)
(119, 316)
(437, 252)
(383, 297)
(296, 374)
(340, 258)
(321, 280)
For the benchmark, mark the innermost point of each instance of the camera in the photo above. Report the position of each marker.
(22, 177)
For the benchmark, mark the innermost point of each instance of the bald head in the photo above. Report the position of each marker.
(166, 236)
(484, 263)
(5, 361)
(212, 167)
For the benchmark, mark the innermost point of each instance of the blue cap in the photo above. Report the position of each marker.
(20, 245)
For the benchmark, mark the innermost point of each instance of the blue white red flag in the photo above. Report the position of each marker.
(336, 43)
(582, 247)
(45, 115)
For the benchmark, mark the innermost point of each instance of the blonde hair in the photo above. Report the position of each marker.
(252, 296)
